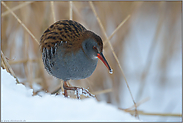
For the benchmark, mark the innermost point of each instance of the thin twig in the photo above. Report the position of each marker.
(103, 30)
(53, 12)
(16, 8)
(20, 22)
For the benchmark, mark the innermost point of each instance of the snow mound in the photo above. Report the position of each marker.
(18, 105)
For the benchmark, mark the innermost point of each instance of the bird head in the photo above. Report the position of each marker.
(93, 47)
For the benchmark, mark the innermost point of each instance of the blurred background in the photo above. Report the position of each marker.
(148, 46)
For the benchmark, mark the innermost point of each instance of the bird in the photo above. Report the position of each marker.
(71, 52)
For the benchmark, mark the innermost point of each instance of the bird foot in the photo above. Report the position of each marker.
(78, 91)
(83, 91)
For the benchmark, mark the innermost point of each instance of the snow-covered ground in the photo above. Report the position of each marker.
(18, 105)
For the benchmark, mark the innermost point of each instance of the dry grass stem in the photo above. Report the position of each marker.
(151, 52)
(118, 27)
(93, 9)
(42, 70)
(139, 103)
(70, 10)
(154, 114)
(52, 10)
(22, 61)
(20, 22)
(77, 11)
(8, 67)
(61, 85)
(100, 23)
(102, 91)
(5, 62)
(16, 8)
(26, 56)
(37, 80)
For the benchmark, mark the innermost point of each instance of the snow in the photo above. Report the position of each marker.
(18, 105)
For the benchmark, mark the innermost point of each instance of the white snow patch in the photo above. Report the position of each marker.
(36, 86)
(18, 105)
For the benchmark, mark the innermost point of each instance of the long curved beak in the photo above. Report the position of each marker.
(102, 58)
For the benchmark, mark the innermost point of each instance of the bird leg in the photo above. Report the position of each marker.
(65, 93)
(78, 90)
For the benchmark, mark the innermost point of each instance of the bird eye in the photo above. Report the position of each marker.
(94, 47)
